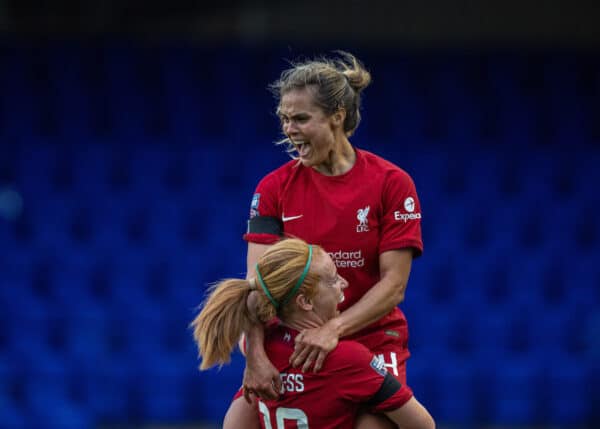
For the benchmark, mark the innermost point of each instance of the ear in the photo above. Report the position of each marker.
(339, 117)
(303, 302)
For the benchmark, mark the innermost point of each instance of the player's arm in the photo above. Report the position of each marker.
(361, 378)
(315, 344)
(386, 294)
(255, 251)
(260, 376)
(394, 400)
(412, 415)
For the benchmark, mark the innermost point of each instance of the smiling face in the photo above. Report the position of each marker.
(308, 127)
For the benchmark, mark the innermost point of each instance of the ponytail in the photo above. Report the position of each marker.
(220, 323)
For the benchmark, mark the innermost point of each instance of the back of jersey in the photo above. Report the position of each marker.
(327, 399)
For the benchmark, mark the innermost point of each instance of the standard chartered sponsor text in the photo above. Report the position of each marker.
(353, 259)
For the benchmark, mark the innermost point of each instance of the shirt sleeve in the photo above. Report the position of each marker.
(401, 217)
(265, 205)
(365, 380)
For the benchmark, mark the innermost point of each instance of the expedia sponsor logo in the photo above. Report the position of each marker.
(406, 216)
(352, 259)
(409, 206)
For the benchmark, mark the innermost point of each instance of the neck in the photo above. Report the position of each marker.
(303, 320)
(340, 160)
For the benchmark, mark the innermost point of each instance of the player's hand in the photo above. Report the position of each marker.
(262, 379)
(313, 346)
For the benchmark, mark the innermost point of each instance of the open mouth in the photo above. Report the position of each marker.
(302, 147)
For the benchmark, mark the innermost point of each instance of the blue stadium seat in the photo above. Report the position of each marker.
(12, 415)
(107, 387)
(570, 375)
(49, 403)
(459, 408)
(136, 167)
(218, 388)
(513, 392)
(162, 397)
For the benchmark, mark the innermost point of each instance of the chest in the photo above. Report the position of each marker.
(336, 215)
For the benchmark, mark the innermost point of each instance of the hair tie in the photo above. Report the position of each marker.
(252, 283)
(264, 287)
(301, 279)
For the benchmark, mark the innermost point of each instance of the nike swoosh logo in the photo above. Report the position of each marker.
(285, 219)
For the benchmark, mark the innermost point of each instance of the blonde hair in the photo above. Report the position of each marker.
(225, 314)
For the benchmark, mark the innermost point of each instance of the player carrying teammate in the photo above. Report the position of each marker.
(299, 284)
(363, 210)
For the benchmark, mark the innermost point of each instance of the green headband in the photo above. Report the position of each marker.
(294, 290)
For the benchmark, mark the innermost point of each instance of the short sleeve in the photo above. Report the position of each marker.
(364, 379)
(401, 217)
(264, 204)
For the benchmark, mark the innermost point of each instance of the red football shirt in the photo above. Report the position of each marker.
(350, 378)
(355, 216)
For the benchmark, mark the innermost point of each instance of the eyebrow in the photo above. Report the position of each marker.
(295, 115)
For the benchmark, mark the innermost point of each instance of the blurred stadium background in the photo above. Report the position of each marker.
(132, 135)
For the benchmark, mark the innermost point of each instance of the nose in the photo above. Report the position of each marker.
(289, 128)
(343, 283)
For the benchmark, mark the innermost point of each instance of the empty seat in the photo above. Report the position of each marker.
(136, 167)
(12, 414)
(218, 388)
(459, 408)
(573, 377)
(513, 392)
(48, 402)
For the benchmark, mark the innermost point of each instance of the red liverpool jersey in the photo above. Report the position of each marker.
(350, 378)
(355, 216)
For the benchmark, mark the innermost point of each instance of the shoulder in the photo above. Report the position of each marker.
(284, 170)
(279, 344)
(351, 362)
(375, 164)
(348, 353)
(279, 175)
